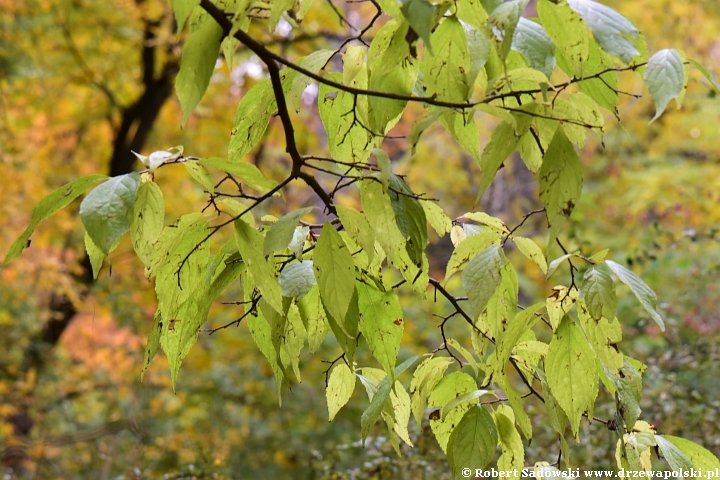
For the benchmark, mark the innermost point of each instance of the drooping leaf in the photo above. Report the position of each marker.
(449, 388)
(532, 251)
(427, 375)
(481, 277)
(513, 452)
(313, 63)
(377, 206)
(148, 220)
(419, 14)
(468, 249)
(437, 218)
(58, 199)
(297, 279)
(246, 172)
(521, 418)
(503, 21)
(560, 179)
(699, 456)
(462, 399)
(340, 388)
(107, 211)
(647, 297)
(604, 334)
(535, 45)
(571, 372)
(95, 255)
(675, 457)
(567, 30)
(473, 442)
(334, 271)
(382, 324)
(665, 78)
(251, 120)
(200, 175)
(410, 218)
(313, 314)
(609, 28)
(249, 242)
(502, 144)
(446, 70)
(281, 232)
(182, 10)
(599, 292)
(372, 413)
(199, 55)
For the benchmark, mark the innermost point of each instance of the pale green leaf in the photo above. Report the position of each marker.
(297, 279)
(281, 232)
(382, 324)
(153, 343)
(313, 63)
(251, 119)
(358, 228)
(437, 218)
(535, 45)
(293, 341)
(199, 55)
(148, 220)
(557, 262)
(449, 388)
(297, 242)
(95, 255)
(665, 78)
(502, 22)
(410, 218)
(567, 30)
(427, 375)
(513, 452)
(492, 222)
(647, 297)
(461, 400)
(372, 413)
(609, 28)
(58, 199)
(532, 251)
(182, 10)
(107, 211)
(463, 128)
(472, 443)
(246, 172)
(501, 145)
(560, 179)
(521, 418)
(446, 70)
(603, 334)
(468, 249)
(699, 456)
(261, 333)
(675, 457)
(340, 387)
(377, 207)
(277, 9)
(571, 372)
(249, 242)
(313, 314)
(334, 271)
(200, 175)
(705, 73)
(599, 292)
(419, 14)
(481, 277)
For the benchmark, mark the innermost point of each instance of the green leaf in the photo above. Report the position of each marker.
(182, 10)
(293, 341)
(567, 30)
(313, 63)
(535, 45)
(502, 22)
(377, 206)
(58, 199)
(297, 279)
(437, 218)
(251, 119)
(427, 375)
(700, 457)
(247, 172)
(261, 332)
(521, 418)
(148, 220)
(410, 218)
(313, 314)
(95, 255)
(557, 262)
(449, 388)
(629, 390)
(610, 29)
(381, 323)
(603, 334)
(200, 175)
(463, 128)
(468, 249)
(560, 179)
(339, 389)
(675, 457)
(446, 70)
(647, 297)
(281, 232)
(481, 277)
(249, 242)
(665, 78)
(501, 145)
(472, 443)
(462, 399)
(297, 243)
(153, 343)
(513, 452)
(599, 292)
(334, 271)
(419, 14)
(571, 373)
(472, 12)
(358, 228)
(277, 8)
(532, 251)
(372, 413)
(508, 339)
(107, 211)
(705, 73)
(199, 55)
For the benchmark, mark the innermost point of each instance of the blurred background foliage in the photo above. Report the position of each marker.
(77, 84)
